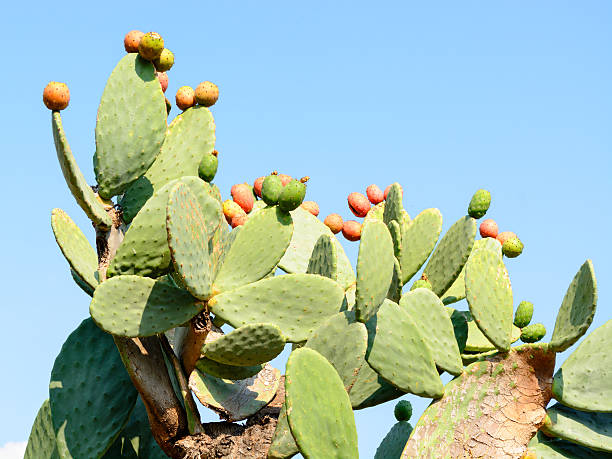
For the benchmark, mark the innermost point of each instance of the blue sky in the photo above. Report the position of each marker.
(514, 97)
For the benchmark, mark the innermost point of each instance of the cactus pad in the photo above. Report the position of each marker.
(460, 327)
(138, 306)
(283, 445)
(81, 283)
(324, 258)
(223, 371)
(395, 288)
(131, 125)
(318, 407)
(577, 309)
(419, 238)
(554, 448)
(393, 444)
(41, 443)
(393, 205)
(370, 389)
(396, 236)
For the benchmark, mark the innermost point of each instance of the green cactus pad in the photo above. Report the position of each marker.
(81, 283)
(296, 303)
(395, 288)
(131, 125)
(396, 236)
(76, 248)
(419, 238)
(306, 232)
(533, 333)
(554, 448)
(188, 239)
(138, 306)
(476, 341)
(593, 430)
(41, 443)
(583, 381)
(250, 344)
(283, 445)
(318, 408)
(324, 258)
(377, 213)
(523, 314)
(218, 245)
(257, 249)
(370, 389)
(393, 205)
(489, 295)
(460, 327)
(91, 395)
(374, 269)
(236, 400)
(426, 309)
(470, 357)
(82, 192)
(400, 354)
(343, 341)
(190, 135)
(392, 445)
(145, 251)
(577, 309)
(223, 371)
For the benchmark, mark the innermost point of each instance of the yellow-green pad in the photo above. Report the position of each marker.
(318, 408)
(306, 232)
(396, 236)
(395, 288)
(76, 248)
(75, 180)
(41, 443)
(583, 381)
(393, 205)
(374, 269)
(296, 303)
(218, 245)
(90, 393)
(189, 137)
(236, 400)
(324, 258)
(283, 445)
(419, 238)
(554, 448)
(577, 309)
(138, 306)
(188, 240)
(393, 444)
(250, 344)
(427, 311)
(476, 341)
(400, 354)
(257, 249)
(489, 294)
(450, 256)
(593, 430)
(131, 125)
(370, 389)
(223, 371)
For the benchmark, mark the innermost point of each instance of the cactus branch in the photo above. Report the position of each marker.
(198, 330)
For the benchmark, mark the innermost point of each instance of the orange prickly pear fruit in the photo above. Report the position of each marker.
(257, 186)
(56, 96)
(163, 80)
(334, 222)
(359, 204)
(207, 94)
(242, 194)
(503, 237)
(231, 209)
(131, 40)
(311, 207)
(488, 228)
(185, 97)
(375, 194)
(239, 220)
(351, 230)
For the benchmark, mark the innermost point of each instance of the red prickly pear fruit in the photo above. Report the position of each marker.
(165, 61)
(238, 220)
(257, 186)
(185, 97)
(242, 194)
(163, 80)
(311, 207)
(151, 46)
(375, 194)
(351, 230)
(131, 40)
(207, 94)
(285, 179)
(503, 237)
(359, 204)
(488, 228)
(334, 222)
(56, 96)
(389, 187)
(231, 209)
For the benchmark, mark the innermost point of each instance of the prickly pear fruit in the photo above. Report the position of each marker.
(389, 187)
(150, 46)
(512, 248)
(403, 410)
(257, 184)
(533, 333)
(185, 97)
(421, 283)
(375, 194)
(504, 236)
(359, 204)
(231, 209)
(238, 220)
(285, 179)
(271, 189)
(523, 314)
(488, 228)
(479, 204)
(242, 194)
(208, 167)
(351, 230)
(165, 61)
(56, 96)
(163, 80)
(334, 222)
(311, 207)
(131, 40)
(206, 94)
(292, 195)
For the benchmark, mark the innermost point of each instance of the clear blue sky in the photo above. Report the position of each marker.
(515, 97)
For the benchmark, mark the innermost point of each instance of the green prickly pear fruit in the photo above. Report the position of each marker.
(375, 194)
(351, 230)
(334, 222)
(131, 40)
(163, 80)
(311, 207)
(208, 167)
(523, 314)
(207, 94)
(421, 283)
(403, 410)
(488, 228)
(389, 187)
(151, 46)
(165, 61)
(231, 209)
(56, 96)
(185, 97)
(533, 333)
(504, 236)
(257, 185)
(479, 204)
(242, 194)
(359, 204)
(292, 195)
(512, 248)
(271, 189)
